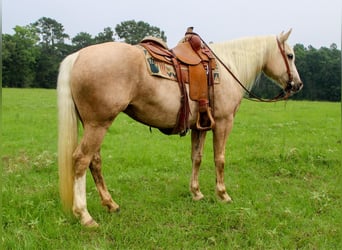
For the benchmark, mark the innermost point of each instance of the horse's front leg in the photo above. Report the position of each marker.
(197, 143)
(221, 133)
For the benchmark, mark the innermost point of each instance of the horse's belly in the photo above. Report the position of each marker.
(158, 111)
(153, 116)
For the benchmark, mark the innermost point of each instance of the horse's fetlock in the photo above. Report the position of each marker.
(220, 189)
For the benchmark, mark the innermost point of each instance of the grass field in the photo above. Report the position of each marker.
(283, 172)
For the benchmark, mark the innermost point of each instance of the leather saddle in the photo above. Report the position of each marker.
(194, 64)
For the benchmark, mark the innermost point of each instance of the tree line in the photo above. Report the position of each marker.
(31, 57)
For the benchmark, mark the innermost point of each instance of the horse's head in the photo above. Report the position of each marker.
(281, 67)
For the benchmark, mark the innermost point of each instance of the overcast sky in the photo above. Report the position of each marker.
(314, 22)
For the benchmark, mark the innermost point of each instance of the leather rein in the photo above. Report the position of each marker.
(283, 95)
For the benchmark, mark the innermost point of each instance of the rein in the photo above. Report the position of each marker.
(283, 95)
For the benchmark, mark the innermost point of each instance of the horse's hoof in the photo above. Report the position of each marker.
(226, 198)
(91, 224)
(114, 210)
(229, 200)
(111, 206)
(198, 197)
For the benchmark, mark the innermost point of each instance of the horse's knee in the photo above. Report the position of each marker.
(197, 159)
(220, 161)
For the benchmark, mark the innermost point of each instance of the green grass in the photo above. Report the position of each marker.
(282, 171)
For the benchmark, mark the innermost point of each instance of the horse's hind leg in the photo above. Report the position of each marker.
(197, 142)
(83, 156)
(95, 168)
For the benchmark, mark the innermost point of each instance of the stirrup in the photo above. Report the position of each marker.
(211, 122)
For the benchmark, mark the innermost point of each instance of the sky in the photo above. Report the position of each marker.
(314, 22)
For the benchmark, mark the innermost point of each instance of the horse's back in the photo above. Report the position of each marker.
(107, 59)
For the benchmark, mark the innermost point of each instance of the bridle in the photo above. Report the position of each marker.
(283, 95)
(288, 70)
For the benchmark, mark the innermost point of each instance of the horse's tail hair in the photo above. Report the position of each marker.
(67, 132)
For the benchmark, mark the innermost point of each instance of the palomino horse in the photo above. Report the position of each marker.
(96, 83)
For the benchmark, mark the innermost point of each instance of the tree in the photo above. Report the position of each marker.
(50, 31)
(84, 39)
(52, 46)
(81, 40)
(19, 55)
(320, 71)
(133, 32)
(106, 36)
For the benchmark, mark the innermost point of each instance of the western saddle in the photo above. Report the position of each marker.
(194, 64)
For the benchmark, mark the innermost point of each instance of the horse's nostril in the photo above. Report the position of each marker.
(301, 85)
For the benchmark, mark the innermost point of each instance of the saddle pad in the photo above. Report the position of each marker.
(164, 70)
(158, 68)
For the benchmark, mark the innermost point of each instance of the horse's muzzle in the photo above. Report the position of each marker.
(293, 87)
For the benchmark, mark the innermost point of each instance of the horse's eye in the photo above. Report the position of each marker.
(290, 56)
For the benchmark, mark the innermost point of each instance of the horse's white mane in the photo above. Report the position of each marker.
(245, 56)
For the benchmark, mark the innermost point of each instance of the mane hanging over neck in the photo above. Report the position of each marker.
(245, 56)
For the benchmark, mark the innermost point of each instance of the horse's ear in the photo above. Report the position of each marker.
(284, 36)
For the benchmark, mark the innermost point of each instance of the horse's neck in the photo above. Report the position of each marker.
(245, 57)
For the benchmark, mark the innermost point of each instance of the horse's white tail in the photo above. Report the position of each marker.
(67, 132)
